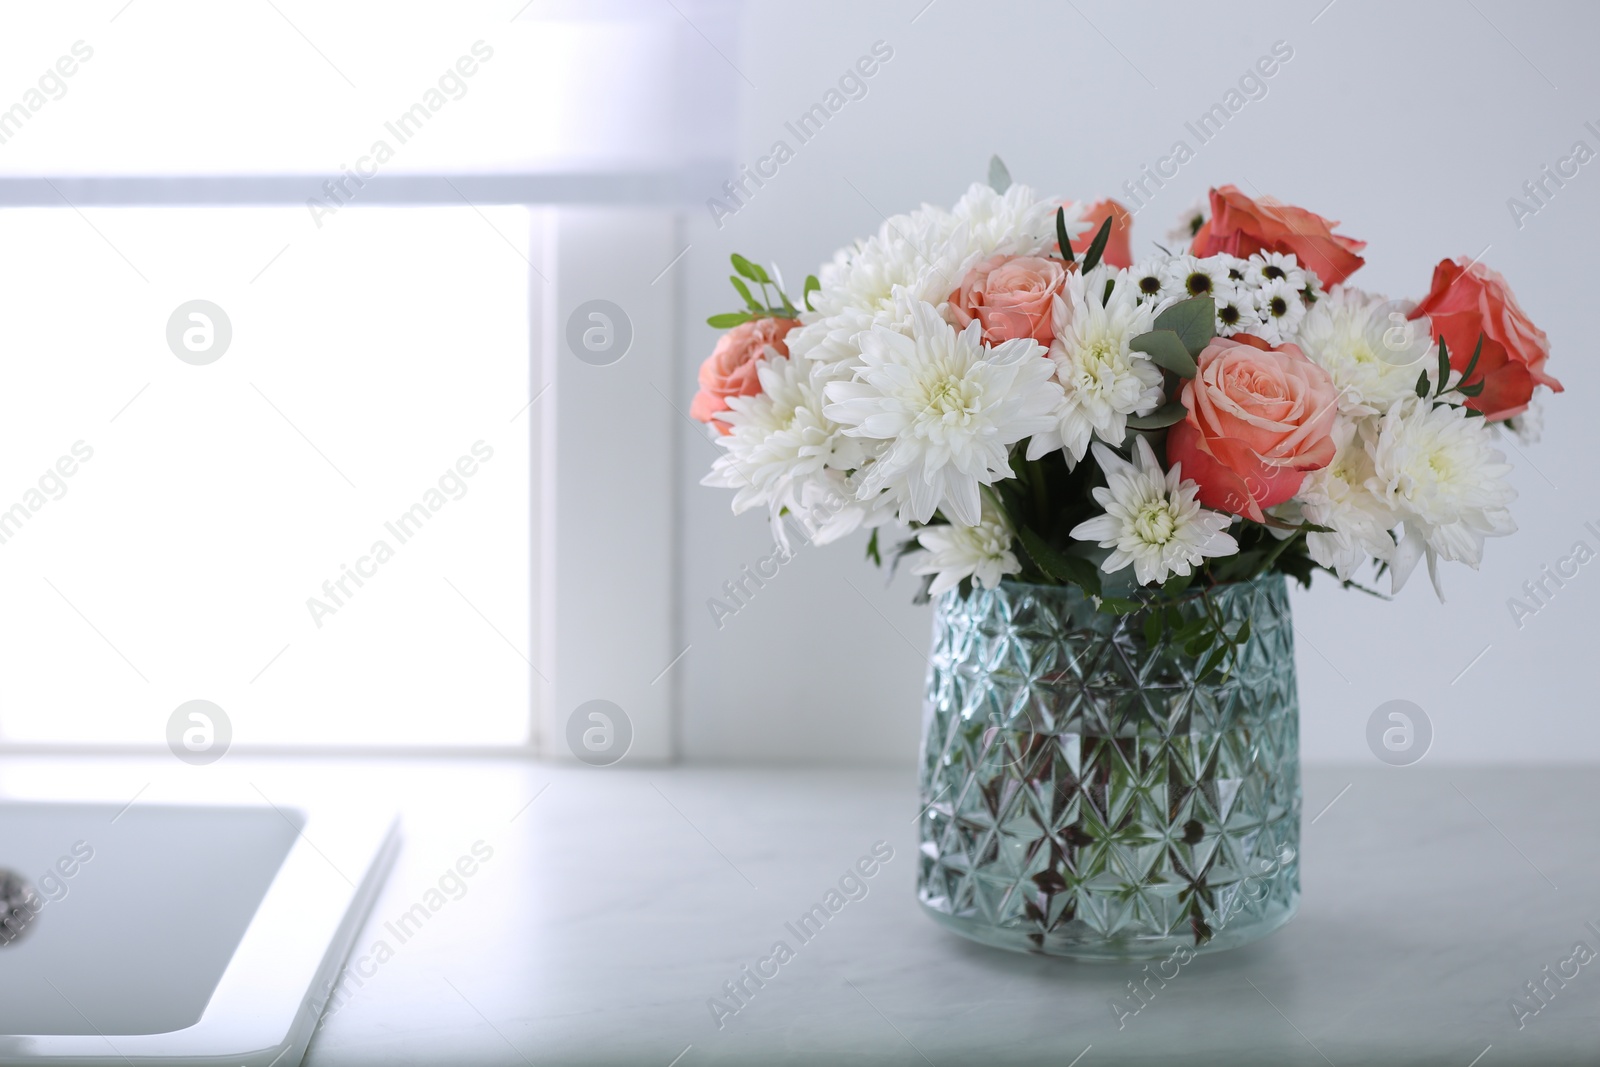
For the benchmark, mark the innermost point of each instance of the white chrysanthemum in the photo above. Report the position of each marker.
(1340, 497)
(1018, 222)
(1281, 308)
(863, 277)
(947, 410)
(826, 505)
(1264, 268)
(1237, 313)
(1437, 468)
(981, 552)
(1367, 346)
(780, 438)
(1104, 381)
(1152, 519)
(1188, 277)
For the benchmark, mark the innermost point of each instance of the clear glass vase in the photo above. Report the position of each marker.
(1086, 794)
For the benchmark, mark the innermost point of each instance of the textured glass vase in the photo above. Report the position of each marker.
(1086, 795)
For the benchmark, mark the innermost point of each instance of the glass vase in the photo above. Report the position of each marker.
(1087, 792)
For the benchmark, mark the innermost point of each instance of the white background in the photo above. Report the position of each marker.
(1411, 123)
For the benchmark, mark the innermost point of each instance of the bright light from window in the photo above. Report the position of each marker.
(326, 531)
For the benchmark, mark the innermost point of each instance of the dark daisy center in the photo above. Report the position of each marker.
(1228, 314)
(1149, 285)
(1198, 284)
(1272, 272)
(1278, 306)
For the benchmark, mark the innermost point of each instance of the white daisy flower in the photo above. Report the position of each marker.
(954, 553)
(1150, 280)
(1104, 380)
(780, 438)
(1236, 313)
(945, 410)
(1264, 268)
(1188, 277)
(1189, 222)
(1368, 346)
(1437, 469)
(1339, 496)
(1152, 519)
(1529, 426)
(1281, 307)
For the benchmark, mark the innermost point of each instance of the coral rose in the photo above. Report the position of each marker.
(1259, 420)
(1011, 296)
(1468, 299)
(730, 370)
(1241, 226)
(1119, 246)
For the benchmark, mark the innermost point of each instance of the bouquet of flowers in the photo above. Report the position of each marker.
(1005, 380)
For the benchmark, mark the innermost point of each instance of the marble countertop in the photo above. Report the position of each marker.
(607, 909)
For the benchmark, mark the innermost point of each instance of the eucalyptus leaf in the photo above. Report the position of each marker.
(744, 291)
(812, 286)
(1167, 350)
(999, 176)
(1167, 414)
(728, 320)
(1194, 321)
(1048, 559)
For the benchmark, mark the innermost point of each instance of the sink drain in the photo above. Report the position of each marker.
(19, 907)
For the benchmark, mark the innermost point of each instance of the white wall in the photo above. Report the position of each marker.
(1412, 123)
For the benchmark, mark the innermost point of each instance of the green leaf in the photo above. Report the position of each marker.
(731, 319)
(812, 286)
(1167, 350)
(1214, 660)
(1118, 605)
(754, 271)
(1062, 240)
(1196, 645)
(1051, 562)
(1444, 368)
(1175, 585)
(1422, 384)
(872, 549)
(1472, 364)
(1194, 321)
(1167, 414)
(1152, 629)
(1244, 633)
(999, 176)
(744, 291)
(1097, 247)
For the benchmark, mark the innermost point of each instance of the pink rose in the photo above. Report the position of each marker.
(1012, 296)
(1259, 420)
(1241, 226)
(730, 370)
(1472, 300)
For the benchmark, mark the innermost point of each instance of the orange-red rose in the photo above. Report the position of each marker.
(1011, 297)
(1119, 245)
(1241, 226)
(1469, 299)
(1259, 420)
(730, 370)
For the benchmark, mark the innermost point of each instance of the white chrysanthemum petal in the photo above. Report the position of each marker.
(1103, 380)
(1152, 519)
(1438, 469)
(945, 410)
(981, 552)
(1339, 497)
(1369, 348)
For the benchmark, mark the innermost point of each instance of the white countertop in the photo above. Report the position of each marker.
(617, 902)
